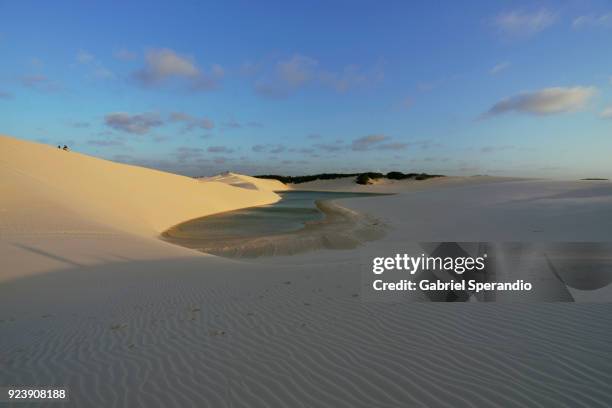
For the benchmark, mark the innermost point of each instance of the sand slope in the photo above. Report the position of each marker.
(248, 182)
(129, 198)
(61, 208)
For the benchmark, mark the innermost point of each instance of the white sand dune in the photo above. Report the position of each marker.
(396, 186)
(63, 198)
(91, 300)
(131, 198)
(248, 182)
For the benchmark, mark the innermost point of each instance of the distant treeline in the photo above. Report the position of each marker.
(360, 178)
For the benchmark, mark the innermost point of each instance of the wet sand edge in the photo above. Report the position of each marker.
(341, 228)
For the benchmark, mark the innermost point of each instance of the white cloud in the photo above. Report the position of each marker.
(329, 147)
(102, 73)
(40, 83)
(217, 71)
(124, 55)
(350, 77)
(105, 142)
(287, 76)
(191, 122)
(137, 124)
(164, 64)
(291, 74)
(203, 123)
(185, 153)
(592, 20)
(365, 142)
(502, 66)
(79, 125)
(219, 149)
(268, 148)
(180, 117)
(97, 69)
(297, 70)
(84, 57)
(231, 124)
(524, 24)
(376, 142)
(407, 103)
(403, 104)
(606, 113)
(545, 101)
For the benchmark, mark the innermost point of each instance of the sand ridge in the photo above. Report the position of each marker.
(132, 198)
(51, 197)
(248, 182)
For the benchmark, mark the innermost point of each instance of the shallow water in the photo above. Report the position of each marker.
(291, 213)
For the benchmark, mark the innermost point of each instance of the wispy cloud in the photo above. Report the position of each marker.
(302, 150)
(250, 68)
(268, 148)
(365, 142)
(6, 95)
(231, 124)
(502, 66)
(163, 65)
(32, 80)
(98, 70)
(124, 54)
(329, 147)
(593, 21)
(545, 101)
(606, 113)
(136, 124)
(289, 75)
(519, 23)
(297, 70)
(351, 77)
(191, 122)
(84, 57)
(379, 142)
(219, 149)
(407, 103)
(221, 160)
(187, 153)
(40, 83)
(79, 125)
(36, 63)
(105, 142)
(492, 149)
(430, 85)
(426, 144)
(403, 104)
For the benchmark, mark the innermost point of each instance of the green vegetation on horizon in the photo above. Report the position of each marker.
(360, 178)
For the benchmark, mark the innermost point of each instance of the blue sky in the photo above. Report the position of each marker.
(460, 88)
